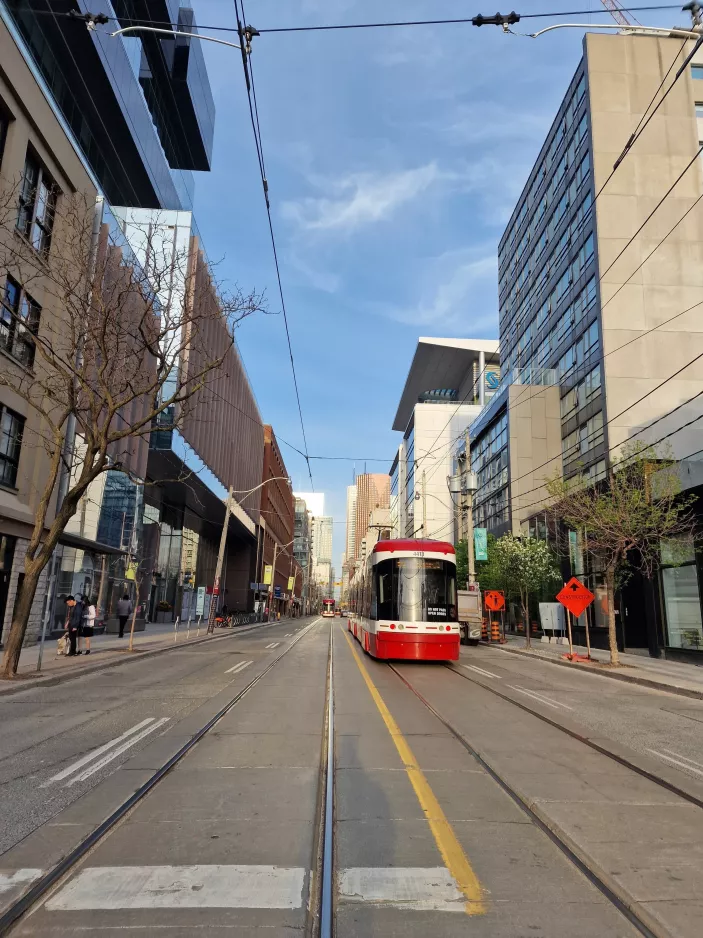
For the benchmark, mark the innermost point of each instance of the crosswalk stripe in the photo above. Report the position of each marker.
(219, 886)
(239, 667)
(273, 645)
(182, 887)
(14, 880)
(423, 889)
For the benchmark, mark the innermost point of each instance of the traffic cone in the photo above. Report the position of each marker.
(534, 628)
(495, 631)
(484, 631)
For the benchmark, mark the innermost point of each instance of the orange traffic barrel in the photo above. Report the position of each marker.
(495, 631)
(484, 631)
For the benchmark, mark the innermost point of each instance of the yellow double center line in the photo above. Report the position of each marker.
(451, 850)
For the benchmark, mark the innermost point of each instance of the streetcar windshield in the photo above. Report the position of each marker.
(414, 589)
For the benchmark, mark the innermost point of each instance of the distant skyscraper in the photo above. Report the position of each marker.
(314, 500)
(322, 540)
(351, 521)
(373, 490)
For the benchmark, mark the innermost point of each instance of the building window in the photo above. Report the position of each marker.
(681, 594)
(11, 427)
(19, 322)
(37, 204)
(697, 71)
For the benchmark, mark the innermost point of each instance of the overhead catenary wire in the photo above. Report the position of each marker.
(246, 62)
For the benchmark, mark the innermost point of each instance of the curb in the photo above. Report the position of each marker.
(586, 669)
(24, 684)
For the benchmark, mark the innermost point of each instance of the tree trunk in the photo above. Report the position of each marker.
(20, 619)
(612, 635)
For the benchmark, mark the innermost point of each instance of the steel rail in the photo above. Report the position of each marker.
(574, 734)
(33, 895)
(559, 841)
(328, 843)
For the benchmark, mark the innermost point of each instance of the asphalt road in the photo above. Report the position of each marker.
(47, 734)
(455, 812)
(660, 725)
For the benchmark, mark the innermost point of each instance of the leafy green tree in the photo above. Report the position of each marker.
(462, 564)
(526, 566)
(627, 518)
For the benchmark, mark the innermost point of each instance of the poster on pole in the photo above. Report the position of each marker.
(291, 582)
(480, 544)
(268, 574)
(200, 601)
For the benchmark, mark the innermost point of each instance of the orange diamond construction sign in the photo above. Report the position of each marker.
(575, 596)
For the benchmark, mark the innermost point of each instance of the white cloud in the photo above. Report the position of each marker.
(459, 291)
(361, 199)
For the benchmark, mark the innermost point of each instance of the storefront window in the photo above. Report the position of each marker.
(681, 594)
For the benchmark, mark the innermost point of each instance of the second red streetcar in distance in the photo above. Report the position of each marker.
(403, 604)
(327, 607)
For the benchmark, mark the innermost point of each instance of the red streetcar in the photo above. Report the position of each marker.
(327, 607)
(403, 604)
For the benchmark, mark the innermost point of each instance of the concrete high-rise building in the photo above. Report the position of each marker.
(600, 332)
(323, 529)
(372, 491)
(351, 522)
(448, 383)
(315, 502)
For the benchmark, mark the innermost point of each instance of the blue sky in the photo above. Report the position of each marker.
(394, 158)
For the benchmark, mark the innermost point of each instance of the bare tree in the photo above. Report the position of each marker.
(626, 517)
(117, 350)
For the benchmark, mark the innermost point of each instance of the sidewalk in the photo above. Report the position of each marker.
(107, 651)
(672, 676)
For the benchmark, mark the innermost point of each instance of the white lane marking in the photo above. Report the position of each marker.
(539, 698)
(681, 764)
(472, 667)
(273, 645)
(113, 754)
(182, 887)
(64, 773)
(429, 889)
(12, 879)
(288, 635)
(239, 667)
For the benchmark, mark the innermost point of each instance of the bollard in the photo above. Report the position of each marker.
(175, 629)
(188, 628)
(198, 632)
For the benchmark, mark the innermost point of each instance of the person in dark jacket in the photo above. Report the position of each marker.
(74, 622)
(124, 608)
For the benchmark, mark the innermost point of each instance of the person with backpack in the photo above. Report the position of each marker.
(124, 608)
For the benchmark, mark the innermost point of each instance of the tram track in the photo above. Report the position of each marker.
(580, 737)
(54, 877)
(640, 920)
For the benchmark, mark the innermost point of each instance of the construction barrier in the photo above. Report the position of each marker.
(484, 631)
(495, 631)
(535, 628)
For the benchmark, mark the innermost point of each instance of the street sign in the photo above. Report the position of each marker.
(494, 600)
(200, 602)
(575, 596)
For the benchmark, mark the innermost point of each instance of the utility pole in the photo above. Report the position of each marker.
(220, 561)
(469, 510)
(424, 506)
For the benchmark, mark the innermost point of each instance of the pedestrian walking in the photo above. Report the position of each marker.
(74, 621)
(88, 627)
(124, 608)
